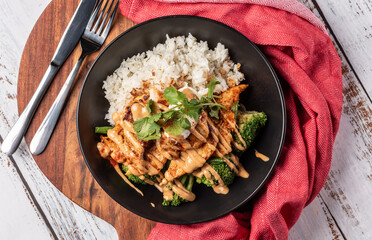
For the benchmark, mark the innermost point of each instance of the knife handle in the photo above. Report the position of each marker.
(14, 137)
(43, 134)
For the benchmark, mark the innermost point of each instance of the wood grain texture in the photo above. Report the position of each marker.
(62, 162)
(66, 219)
(316, 223)
(18, 197)
(352, 144)
(348, 187)
(351, 23)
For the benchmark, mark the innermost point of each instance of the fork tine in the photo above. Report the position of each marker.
(93, 17)
(104, 19)
(108, 26)
(99, 18)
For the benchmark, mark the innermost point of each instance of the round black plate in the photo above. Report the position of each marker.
(264, 94)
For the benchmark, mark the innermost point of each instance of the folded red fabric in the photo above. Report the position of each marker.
(305, 59)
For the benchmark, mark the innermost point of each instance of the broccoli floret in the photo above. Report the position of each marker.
(205, 181)
(176, 201)
(226, 173)
(249, 124)
(188, 182)
(136, 179)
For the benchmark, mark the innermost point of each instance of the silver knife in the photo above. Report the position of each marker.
(67, 43)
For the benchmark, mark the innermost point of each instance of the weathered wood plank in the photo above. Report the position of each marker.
(19, 216)
(8, 70)
(349, 185)
(67, 219)
(348, 188)
(62, 161)
(315, 223)
(351, 23)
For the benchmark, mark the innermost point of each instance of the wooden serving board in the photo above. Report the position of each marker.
(62, 161)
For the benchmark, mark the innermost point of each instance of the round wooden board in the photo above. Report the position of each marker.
(62, 161)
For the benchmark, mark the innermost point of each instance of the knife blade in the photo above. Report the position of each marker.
(69, 40)
(73, 31)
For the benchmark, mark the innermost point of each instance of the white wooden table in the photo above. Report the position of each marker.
(32, 208)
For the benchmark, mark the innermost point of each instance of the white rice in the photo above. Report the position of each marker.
(177, 57)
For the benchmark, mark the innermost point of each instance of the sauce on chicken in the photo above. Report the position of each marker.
(208, 137)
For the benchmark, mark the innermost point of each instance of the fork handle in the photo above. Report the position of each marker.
(15, 135)
(43, 134)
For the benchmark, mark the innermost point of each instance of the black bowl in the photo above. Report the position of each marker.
(264, 94)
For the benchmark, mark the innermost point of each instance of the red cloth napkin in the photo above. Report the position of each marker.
(304, 57)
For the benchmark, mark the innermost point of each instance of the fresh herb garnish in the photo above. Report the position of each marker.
(176, 119)
(148, 106)
(214, 112)
(184, 123)
(211, 86)
(210, 100)
(173, 96)
(147, 128)
(235, 108)
(173, 127)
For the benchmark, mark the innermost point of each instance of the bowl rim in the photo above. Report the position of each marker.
(282, 137)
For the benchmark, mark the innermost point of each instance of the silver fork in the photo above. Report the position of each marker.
(91, 41)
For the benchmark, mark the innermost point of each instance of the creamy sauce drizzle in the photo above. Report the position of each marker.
(169, 188)
(191, 159)
(187, 155)
(167, 194)
(124, 136)
(242, 145)
(208, 172)
(117, 169)
(181, 191)
(139, 111)
(224, 148)
(261, 156)
(242, 172)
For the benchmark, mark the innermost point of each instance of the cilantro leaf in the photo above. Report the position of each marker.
(211, 86)
(214, 112)
(203, 99)
(214, 107)
(173, 127)
(142, 127)
(168, 114)
(148, 106)
(156, 117)
(175, 120)
(146, 128)
(192, 108)
(184, 123)
(156, 135)
(194, 113)
(173, 96)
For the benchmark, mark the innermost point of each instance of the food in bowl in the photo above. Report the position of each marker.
(176, 119)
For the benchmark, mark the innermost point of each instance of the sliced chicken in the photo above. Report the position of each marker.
(231, 95)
